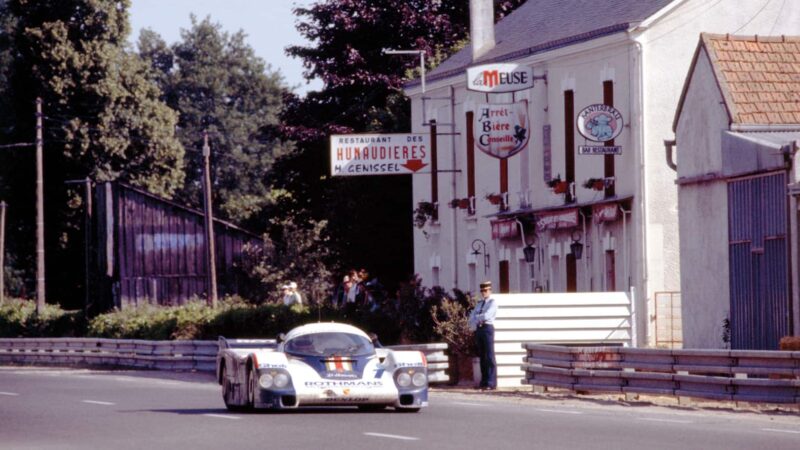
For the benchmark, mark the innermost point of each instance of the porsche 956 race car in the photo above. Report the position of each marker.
(320, 364)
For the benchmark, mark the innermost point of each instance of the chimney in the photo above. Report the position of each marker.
(481, 27)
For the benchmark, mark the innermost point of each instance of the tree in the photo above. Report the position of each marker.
(216, 83)
(369, 217)
(103, 119)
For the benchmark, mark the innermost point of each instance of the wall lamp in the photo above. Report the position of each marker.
(528, 250)
(479, 247)
(576, 247)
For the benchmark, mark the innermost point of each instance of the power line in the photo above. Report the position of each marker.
(766, 2)
(20, 144)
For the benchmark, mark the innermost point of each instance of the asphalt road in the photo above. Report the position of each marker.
(43, 408)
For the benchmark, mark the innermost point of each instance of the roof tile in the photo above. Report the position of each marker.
(761, 76)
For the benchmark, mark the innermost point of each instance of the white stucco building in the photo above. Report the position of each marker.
(737, 128)
(632, 54)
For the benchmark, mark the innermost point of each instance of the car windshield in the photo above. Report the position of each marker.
(329, 344)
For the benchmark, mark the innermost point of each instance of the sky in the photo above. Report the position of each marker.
(268, 24)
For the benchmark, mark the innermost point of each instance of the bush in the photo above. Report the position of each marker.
(417, 315)
(18, 318)
(451, 323)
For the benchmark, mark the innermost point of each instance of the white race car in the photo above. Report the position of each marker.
(320, 364)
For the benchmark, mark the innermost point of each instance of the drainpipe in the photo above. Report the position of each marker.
(668, 146)
(641, 203)
(453, 185)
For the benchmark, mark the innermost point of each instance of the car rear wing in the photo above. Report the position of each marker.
(247, 343)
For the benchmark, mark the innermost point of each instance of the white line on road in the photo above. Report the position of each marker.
(559, 412)
(12, 394)
(665, 420)
(776, 430)
(97, 402)
(468, 404)
(393, 436)
(222, 416)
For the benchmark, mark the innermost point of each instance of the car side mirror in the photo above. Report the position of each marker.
(281, 338)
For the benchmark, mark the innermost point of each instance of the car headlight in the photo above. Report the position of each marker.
(281, 380)
(266, 381)
(419, 379)
(404, 379)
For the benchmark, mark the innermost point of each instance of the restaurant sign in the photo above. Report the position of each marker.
(502, 129)
(504, 228)
(557, 220)
(605, 213)
(379, 154)
(497, 78)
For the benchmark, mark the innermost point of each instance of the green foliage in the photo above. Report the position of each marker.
(18, 318)
(217, 84)
(293, 251)
(103, 119)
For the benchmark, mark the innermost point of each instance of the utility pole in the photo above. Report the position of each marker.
(40, 299)
(211, 266)
(2, 251)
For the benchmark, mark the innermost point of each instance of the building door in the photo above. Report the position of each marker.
(611, 271)
(572, 273)
(758, 263)
(504, 278)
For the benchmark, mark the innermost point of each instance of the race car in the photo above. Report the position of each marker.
(320, 364)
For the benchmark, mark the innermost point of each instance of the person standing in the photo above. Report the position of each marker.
(481, 321)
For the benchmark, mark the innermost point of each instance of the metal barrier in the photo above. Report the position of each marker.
(436, 354)
(735, 375)
(156, 355)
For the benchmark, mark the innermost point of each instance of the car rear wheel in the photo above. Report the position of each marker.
(227, 392)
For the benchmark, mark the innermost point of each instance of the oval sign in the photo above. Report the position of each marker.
(499, 78)
(600, 123)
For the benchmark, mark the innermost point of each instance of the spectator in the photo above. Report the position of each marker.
(290, 294)
(340, 294)
(297, 299)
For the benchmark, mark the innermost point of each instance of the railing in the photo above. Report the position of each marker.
(436, 354)
(156, 355)
(735, 375)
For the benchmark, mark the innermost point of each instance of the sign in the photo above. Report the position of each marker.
(605, 213)
(505, 228)
(501, 129)
(379, 154)
(557, 220)
(599, 150)
(498, 78)
(600, 123)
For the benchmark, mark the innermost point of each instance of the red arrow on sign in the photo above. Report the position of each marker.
(414, 164)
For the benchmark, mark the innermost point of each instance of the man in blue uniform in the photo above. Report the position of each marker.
(481, 321)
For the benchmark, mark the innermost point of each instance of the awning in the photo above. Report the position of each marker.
(566, 216)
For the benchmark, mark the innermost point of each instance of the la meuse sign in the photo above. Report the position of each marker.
(498, 78)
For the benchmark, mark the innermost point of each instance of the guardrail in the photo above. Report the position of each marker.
(734, 375)
(155, 355)
(436, 354)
